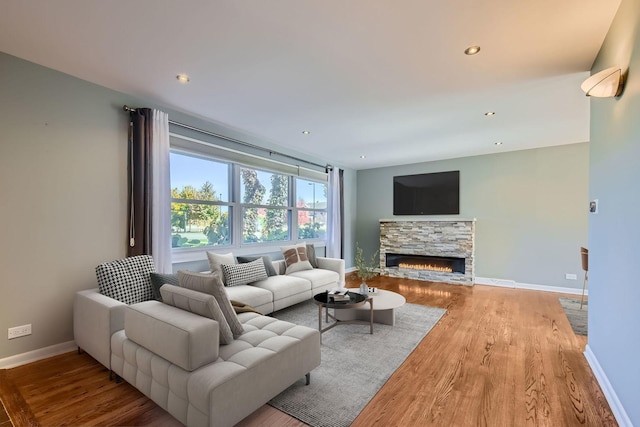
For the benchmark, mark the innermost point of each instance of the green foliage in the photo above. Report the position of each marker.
(206, 218)
(366, 268)
(275, 226)
(253, 194)
(309, 231)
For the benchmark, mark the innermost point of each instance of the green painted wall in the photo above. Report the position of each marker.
(614, 234)
(530, 206)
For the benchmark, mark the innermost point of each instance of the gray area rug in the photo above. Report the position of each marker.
(577, 317)
(355, 364)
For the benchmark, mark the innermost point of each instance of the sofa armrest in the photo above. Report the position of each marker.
(95, 318)
(333, 264)
(183, 338)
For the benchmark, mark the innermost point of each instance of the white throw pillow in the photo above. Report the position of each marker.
(295, 258)
(216, 260)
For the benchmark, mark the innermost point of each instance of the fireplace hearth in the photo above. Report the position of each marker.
(434, 250)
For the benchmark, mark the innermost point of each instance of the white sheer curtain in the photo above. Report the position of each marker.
(335, 214)
(161, 193)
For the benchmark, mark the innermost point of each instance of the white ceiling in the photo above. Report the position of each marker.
(384, 79)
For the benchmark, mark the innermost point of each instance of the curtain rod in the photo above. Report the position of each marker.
(237, 141)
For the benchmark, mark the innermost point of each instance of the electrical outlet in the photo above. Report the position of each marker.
(19, 331)
(569, 276)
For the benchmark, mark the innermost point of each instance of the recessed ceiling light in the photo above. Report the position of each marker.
(363, 157)
(183, 78)
(472, 50)
(306, 132)
(490, 113)
(497, 143)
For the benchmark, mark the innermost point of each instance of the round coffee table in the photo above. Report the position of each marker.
(356, 301)
(384, 305)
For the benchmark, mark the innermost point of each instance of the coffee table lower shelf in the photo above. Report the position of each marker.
(357, 300)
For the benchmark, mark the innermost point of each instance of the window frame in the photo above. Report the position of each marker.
(235, 207)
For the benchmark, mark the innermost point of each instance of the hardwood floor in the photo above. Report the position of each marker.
(499, 357)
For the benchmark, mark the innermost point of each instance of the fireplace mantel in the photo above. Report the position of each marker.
(437, 237)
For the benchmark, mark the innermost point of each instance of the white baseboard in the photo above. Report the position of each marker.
(350, 269)
(35, 355)
(515, 285)
(609, 393)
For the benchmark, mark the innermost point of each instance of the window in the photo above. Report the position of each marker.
(218, 203)
(312, 209)
(200, 208)
(265, 206)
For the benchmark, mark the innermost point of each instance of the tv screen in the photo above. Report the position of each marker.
(427, 194)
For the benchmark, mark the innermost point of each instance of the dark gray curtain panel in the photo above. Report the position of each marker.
(140, 185)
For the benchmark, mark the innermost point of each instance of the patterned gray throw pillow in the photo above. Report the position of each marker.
(268, 264)
(241, 274)
(126, 280)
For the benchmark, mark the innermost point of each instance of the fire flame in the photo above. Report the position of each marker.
(430, 267)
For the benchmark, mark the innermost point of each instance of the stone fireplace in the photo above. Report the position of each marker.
(434, 250)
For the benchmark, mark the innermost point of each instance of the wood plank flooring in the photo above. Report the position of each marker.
(499, 357)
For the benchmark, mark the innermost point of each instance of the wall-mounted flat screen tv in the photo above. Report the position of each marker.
(427, 194)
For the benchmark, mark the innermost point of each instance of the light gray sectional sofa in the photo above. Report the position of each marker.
(173, 354)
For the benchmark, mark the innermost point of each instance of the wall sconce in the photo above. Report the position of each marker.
(605, 84)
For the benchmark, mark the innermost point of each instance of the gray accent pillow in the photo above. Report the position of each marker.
(159, 279)
(311, 254)
(268, 265)
(127, 280)
(295, 258)
(199, 303)
(242, 274)
(212, 284)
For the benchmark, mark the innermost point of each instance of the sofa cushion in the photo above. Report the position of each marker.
(284, 286)
(185, 339)
(159, 279)
(268, 263)
(216, 260)
(212, 284)
(127, 280)
(241, 274)
(199, 303)
(295, 258)
(250, 295)
(318, 277)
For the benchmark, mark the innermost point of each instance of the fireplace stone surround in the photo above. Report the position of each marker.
(445, 238)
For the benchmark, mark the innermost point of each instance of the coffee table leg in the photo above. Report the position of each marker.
(320, 322)
(371, 316)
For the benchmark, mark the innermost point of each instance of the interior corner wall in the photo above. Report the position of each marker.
(531, 210)
(63, 167)
(614, 234)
